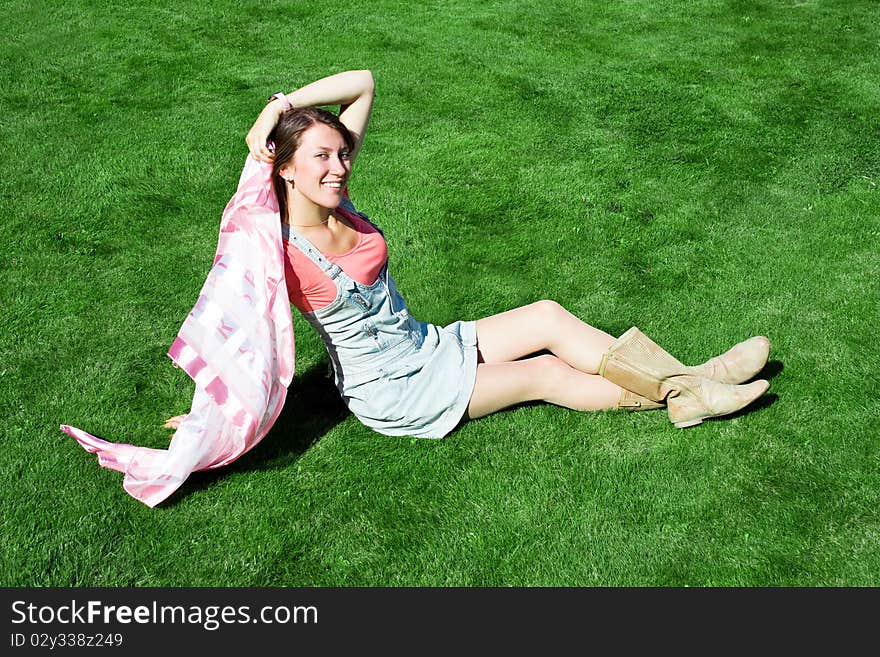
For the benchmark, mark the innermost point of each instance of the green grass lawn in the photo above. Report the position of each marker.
(704, 170)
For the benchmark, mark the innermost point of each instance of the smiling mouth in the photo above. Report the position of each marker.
(334, 184)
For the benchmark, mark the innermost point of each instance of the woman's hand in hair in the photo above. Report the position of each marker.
(259, 133)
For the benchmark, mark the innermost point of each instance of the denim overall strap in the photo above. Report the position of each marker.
(331, 269)
(349, 207)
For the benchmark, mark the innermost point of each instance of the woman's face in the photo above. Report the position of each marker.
(320, 167)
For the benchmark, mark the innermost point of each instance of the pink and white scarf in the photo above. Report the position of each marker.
(236, 344)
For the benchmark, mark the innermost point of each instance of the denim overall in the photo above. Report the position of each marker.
(398, 375)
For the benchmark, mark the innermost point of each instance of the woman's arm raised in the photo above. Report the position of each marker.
(352, 90)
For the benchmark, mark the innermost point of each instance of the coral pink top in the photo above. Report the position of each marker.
(310, 289)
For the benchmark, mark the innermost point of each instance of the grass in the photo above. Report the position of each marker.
(706, 170)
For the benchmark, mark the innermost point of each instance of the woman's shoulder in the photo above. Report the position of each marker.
(360, 220)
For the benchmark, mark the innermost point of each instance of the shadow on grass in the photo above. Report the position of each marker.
(771, 369)
(312, 408)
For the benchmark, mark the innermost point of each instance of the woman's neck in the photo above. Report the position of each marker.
(303, 213)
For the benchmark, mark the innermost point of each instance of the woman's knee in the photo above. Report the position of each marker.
(548, 372)
(550, 311)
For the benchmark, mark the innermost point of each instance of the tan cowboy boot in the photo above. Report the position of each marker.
(699, 398)
(638, 364)
(738, 364)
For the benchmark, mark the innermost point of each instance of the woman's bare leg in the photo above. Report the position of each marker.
(567, 378)
(538, 326)
(545, 378)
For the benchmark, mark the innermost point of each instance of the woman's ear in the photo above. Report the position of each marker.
(286, 172)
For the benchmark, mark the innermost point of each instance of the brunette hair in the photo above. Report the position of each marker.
(287, 137)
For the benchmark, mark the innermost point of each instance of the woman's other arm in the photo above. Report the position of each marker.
(352, 90)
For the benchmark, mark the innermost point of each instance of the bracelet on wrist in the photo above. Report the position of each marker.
(282, 97)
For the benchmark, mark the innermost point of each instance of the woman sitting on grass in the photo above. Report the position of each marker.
(398, 375)
(401, 376)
